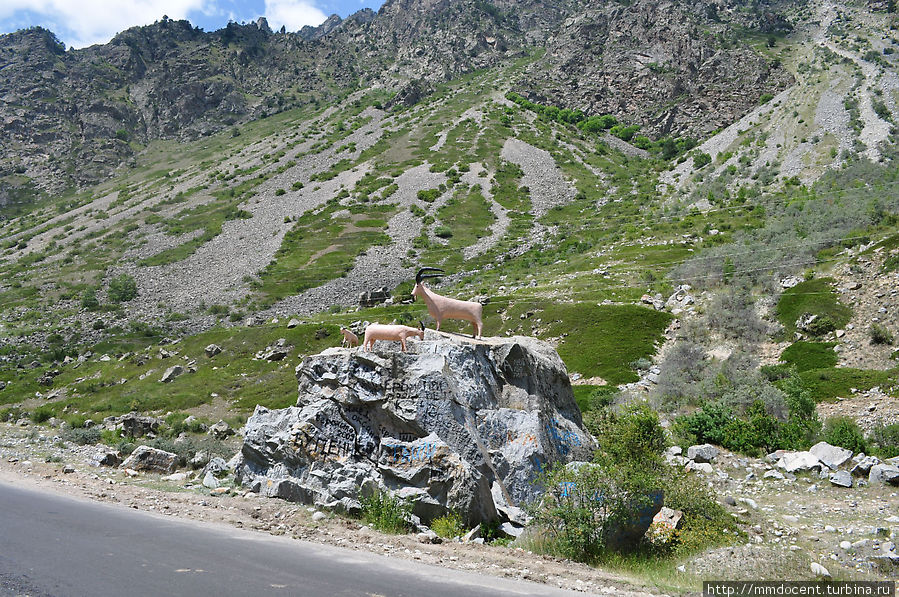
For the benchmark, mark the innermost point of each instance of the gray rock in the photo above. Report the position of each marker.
(473, 534)
(674, 451)
(441, 424)
(428, 536)
(212, 350)
(841, 479)
(510, 529)
(200, 458)
(863, 467)
(702, 467)
(884, 474)
(171, 373)
(702, 453)
(748, 502)
(2, 385)
(216, 466)
(68, 468)
(773, 474)
(797, 462)
(819, 570)
(730, 501)
(293, 323)
(145, 458)
(175, 477)
(108, 457)
(209, 481)
(277, 352)
(832, 456)
(135, 425)
(221, 430)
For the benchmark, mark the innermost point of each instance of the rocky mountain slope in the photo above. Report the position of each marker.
(69, 118)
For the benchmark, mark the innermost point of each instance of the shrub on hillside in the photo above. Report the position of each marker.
(701, 159)
(844, 432)
(448, 526)
(733, 313)
(884, 440)
(585, 506)
(82, 436)
(89, 300)
(880, 334)
(122, 288)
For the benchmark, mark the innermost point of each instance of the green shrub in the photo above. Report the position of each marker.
(89, 300)
(766, 97)
(12, 413)
(701, 159)
(594, 397)
(279, 192)
(82, 436)
(429, 195)
(41, 414)
(844, 432)
(386, 513)
(122, 288)
(443, 231)
(448, 526)
(584, 507)
(880, 334)
(705, 523)
(885, 440)
(634, 434)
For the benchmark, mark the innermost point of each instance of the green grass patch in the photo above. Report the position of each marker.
(96, 388)
(816, 297)
(602, 340)
(320, 248)
(827, 384)
(810, 355)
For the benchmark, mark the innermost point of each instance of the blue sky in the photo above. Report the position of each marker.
(80, 23)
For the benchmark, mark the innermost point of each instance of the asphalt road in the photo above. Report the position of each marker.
(53, 545)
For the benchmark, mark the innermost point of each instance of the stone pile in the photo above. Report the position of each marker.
(839, 465)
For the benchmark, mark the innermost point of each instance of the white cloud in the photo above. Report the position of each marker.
(97, 21)
(293, 14)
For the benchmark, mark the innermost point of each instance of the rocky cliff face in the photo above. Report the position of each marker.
(672, 67)
(454, 424)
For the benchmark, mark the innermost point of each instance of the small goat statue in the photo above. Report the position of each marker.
(397, 333)
(349, 338)
(442, 307)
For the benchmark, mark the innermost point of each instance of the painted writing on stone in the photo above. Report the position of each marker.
(403, 454)
(328, 436)
(562, 438)
(422, 387)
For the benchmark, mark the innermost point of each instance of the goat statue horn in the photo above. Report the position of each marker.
(421, 324)
(421, 275)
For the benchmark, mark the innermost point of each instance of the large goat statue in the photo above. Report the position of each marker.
(397, 333)
(442, 307)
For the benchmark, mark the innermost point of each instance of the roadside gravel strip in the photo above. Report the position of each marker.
(263, 521)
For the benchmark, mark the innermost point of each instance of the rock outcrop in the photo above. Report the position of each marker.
(453, 424)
